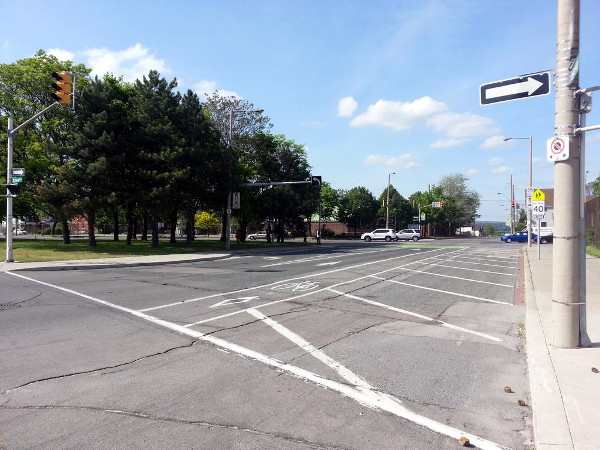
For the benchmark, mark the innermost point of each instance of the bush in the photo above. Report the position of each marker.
(327, 233)
(48, 231)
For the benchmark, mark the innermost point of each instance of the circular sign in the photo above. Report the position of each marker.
(557, 146)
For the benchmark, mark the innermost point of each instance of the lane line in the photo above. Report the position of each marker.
(478, 263)
(370, 398)
(472, 270)
(443, 292)
(318, 274)
(274, 302)
(457, 278)
(420, 316)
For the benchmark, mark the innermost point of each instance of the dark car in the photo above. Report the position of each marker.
(521, 236)
(547, 239)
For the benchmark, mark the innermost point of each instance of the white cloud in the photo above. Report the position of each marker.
(449, 143)
(132, 63)
(462, 125)
(494, 142)
(502, 169)
(399, 115)
(471, 172)
(61, 54)
(346, 107)
(401, 161)
(206, 87)
(495, 161)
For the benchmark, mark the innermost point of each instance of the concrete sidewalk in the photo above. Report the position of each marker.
(565, 390)
(111, 262)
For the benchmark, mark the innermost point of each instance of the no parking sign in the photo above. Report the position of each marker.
(557, 148)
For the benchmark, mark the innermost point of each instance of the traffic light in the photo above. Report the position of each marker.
(442, 203)
(315, 180)
(63, 88)
(512, 203)
(14, 189)
(383, 202)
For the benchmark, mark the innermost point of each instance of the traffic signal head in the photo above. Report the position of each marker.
(442, 203)
(63, 88)
(14, 189)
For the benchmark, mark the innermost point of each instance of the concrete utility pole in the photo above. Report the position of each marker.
(565, 265)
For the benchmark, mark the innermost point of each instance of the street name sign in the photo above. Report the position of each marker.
(526, 86)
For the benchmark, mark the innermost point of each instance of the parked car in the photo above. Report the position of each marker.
(386, 234)
(257, 235)
(17, 232)
(408, 234)
(547, 239)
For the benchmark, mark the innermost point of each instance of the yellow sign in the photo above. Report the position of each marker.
(538, 196)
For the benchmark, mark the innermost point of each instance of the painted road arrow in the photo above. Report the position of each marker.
(231, 301)
(527, 86)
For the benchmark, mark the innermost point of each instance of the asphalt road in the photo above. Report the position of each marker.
(347, 345)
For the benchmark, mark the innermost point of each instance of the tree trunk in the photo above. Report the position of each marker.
(115, 224)
(189, 226)
(173, 220)
(154, 241)
(145, 225)
(91, 224)
(65, 230)
(130, 225)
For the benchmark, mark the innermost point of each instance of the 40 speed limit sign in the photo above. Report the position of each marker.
(538, 208)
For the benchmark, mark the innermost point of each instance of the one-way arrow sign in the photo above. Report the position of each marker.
(532, 85)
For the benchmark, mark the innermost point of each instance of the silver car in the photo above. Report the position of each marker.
(409, 234)
(257, 235)
(386, 234)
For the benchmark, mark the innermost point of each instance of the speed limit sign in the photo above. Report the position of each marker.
(538, 208)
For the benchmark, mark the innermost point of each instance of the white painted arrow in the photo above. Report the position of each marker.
(529, 86)
(231, 301)
(329, 263)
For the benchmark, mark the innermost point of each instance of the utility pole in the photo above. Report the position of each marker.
(566, 266)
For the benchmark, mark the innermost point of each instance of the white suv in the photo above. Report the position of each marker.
(386, 234)
(409, 234)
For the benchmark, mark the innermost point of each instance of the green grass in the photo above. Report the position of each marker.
(593, 251)
(48, 249)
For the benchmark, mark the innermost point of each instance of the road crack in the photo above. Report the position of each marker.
(84, 372)
(140, 415)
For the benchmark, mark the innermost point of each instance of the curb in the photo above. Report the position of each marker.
(550, 423)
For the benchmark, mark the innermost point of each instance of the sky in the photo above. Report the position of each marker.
(374, 89)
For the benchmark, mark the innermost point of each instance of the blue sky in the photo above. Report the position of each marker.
(369, 87)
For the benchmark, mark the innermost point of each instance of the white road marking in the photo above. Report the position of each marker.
(281, 281)
(372, 399)
(442, 291)
(453, 258)
(332, 263)
(469, 269)
(457, 278)
(420, 316)
(231, 301)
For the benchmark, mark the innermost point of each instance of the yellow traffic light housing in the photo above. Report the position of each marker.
(63, 87)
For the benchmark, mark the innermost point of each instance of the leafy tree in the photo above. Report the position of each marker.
(465, 201)
(41, 148)
(206, 220)
(358, 208)
(401, 211)
(330, 201)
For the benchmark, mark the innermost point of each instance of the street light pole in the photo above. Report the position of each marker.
(387, 202)
(230, 175)
(529, 190)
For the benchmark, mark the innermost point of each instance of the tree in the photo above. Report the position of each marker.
(41, 148)
(400, 209)
(358, 208)
(465, 201)
(206, 220)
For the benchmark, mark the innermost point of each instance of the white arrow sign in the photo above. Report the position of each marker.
(531, 85)
(231, 301)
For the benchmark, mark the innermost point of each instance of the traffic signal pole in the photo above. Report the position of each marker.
(566, 266)
(9, 168)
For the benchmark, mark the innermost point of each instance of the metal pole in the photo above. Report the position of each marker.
(565, 265)
(228, 210)
(512, 206)
(387, 202)
(529, 190)
(9, 197)
(583, 337)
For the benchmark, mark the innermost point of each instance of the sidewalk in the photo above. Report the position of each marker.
(111, 262)
(565, 391)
